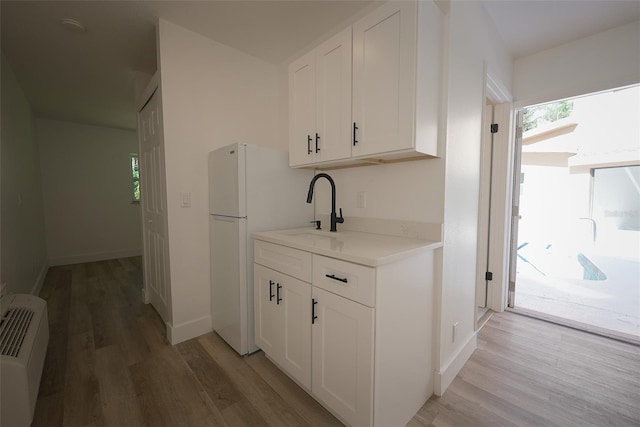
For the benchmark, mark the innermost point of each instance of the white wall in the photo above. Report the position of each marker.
(410, 191)
(86, 182)
(212, 95)
(607, 60)
(473, 44)
(23, 249)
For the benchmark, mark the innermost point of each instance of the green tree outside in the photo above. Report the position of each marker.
(547, 113)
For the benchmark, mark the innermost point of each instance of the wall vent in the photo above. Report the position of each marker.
(24, 335)
(13, 329)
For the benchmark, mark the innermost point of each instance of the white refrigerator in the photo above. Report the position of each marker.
(251, 189)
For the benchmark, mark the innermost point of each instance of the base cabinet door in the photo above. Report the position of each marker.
(342, 342)
(283, 321)
(269, 336)
(295, 307)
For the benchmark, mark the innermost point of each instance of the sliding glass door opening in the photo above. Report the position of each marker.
(577, 253)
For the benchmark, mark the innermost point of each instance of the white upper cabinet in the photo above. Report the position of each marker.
(320, 102)
(302, 110)
(384, 46)
(394, 90)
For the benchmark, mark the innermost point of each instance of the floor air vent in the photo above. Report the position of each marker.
(24, 335)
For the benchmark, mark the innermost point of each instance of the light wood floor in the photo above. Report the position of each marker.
(109, 364)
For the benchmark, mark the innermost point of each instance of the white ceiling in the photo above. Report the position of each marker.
(529, 26)
(89, 77)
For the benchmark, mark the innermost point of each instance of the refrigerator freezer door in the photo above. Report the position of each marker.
(227, 185)
(229, 280)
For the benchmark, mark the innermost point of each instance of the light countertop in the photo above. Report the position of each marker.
(353, 246)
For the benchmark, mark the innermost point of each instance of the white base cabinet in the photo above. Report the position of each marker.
(357, 338)
(342, 359)
(282, 313)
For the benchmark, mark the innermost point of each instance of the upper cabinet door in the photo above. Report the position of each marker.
(302, 110)
(333, 97)
(384, 67)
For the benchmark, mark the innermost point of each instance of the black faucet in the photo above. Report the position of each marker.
(334, 218)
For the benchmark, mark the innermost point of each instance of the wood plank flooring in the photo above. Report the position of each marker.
(108, 364)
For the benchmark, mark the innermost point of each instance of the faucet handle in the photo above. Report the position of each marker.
(317, 224)
(340, 219)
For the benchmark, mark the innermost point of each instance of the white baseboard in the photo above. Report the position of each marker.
(100, 256)
(187, 330)
(447, 374)
(37, 286)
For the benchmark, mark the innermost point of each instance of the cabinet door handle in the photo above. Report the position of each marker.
(317, 139)
(278, 287)
(339, 279)
(355, 128)
(308, 144)
(271, 283)
(313, 311)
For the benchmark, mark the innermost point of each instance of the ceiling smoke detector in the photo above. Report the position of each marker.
(73, 25)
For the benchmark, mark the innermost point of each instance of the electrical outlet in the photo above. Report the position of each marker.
(454, 332)
(361, 201)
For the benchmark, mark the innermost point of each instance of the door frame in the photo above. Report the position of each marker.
(494, 253)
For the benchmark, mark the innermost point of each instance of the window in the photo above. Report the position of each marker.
(135, 178)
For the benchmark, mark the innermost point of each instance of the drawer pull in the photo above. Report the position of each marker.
(339, 279)
(278, 299)
(313, 311)
(271, 283)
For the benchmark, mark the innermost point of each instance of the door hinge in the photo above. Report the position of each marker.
(494, 128)
(488, 275)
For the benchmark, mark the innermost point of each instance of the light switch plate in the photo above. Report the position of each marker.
(185, 199)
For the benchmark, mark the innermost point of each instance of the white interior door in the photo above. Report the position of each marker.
(484, 207)
(154, 207)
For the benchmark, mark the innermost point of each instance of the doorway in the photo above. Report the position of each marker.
(494, 206)
(484, 215)
(576, 233)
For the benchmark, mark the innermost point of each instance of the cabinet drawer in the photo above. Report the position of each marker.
(289, 261)
(352, 281)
